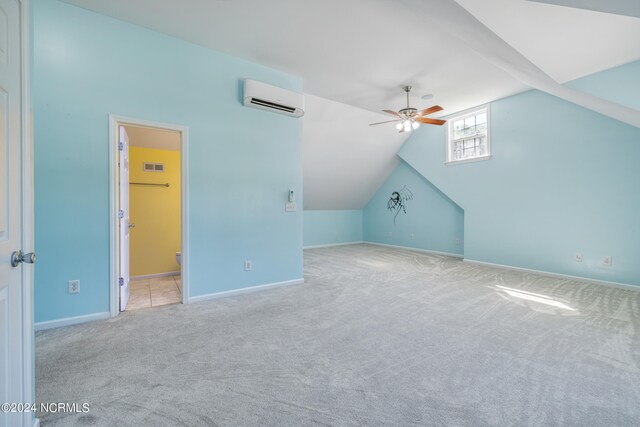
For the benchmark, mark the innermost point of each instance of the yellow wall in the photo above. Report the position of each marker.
(155, 211)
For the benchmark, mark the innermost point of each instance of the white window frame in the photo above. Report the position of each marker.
(449, 141)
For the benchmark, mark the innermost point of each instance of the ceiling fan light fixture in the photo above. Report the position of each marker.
(409, 118)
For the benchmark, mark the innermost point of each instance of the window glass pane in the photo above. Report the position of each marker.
(467, 138)
(470, 121)
(458, 129)
(457, 152)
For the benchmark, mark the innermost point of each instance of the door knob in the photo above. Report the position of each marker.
(17, 257)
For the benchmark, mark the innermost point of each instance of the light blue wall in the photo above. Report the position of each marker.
(242, 161)
(432, 221)
(331, 227)
(562, 179)
(620, 84)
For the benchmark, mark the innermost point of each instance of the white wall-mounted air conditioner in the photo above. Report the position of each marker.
(271, 98)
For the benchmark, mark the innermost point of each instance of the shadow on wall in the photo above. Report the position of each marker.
(331, 227)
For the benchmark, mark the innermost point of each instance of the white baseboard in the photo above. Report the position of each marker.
(328, 245)
(41, 326)
(557, 275)
(152, 276)
(409, 248)
(235, 292)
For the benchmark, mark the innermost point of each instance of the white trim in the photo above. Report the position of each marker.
(114, 121)
(557, 275)
(463, 115)
(153, 276)
(184, 213)
(466, 112)
(67, 321)
(241, 291)
(329, 245)
(28, 352)
(113, 218)
(471, 160)
(409, 248)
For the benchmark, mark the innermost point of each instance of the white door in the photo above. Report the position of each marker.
(14, 364)
(123, 147)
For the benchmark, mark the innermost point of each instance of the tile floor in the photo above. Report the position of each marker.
(154, 292)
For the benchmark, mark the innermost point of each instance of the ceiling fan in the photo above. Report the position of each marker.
(410, 118)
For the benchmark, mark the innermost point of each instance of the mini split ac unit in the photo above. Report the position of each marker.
(271, 98)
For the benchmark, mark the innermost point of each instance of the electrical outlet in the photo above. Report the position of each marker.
(457, 242)
(578, 257)
(74, 286)
(607, 261)
(412, 236)
(290, 207)
(247, 265)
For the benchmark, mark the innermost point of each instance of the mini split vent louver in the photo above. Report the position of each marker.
(271, 98)
(153, 167)
(270, 105)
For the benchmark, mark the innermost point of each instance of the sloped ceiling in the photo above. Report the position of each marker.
(358, 54)
(345, 161)
(565, 43)
(159, 139)
(618, 7)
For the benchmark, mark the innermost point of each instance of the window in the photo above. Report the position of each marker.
(468, 136)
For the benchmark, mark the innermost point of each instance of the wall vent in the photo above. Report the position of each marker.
(153, 167)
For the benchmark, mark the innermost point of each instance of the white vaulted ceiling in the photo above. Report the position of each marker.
(345, 161)
(566, 43)
(358, 54)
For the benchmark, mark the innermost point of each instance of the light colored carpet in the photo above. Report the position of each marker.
(376, 336)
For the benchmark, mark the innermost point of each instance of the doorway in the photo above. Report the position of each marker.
(149, 250)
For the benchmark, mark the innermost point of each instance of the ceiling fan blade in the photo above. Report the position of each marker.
(393, 113)
(430, 110)
(388, 121)
(429, 121)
